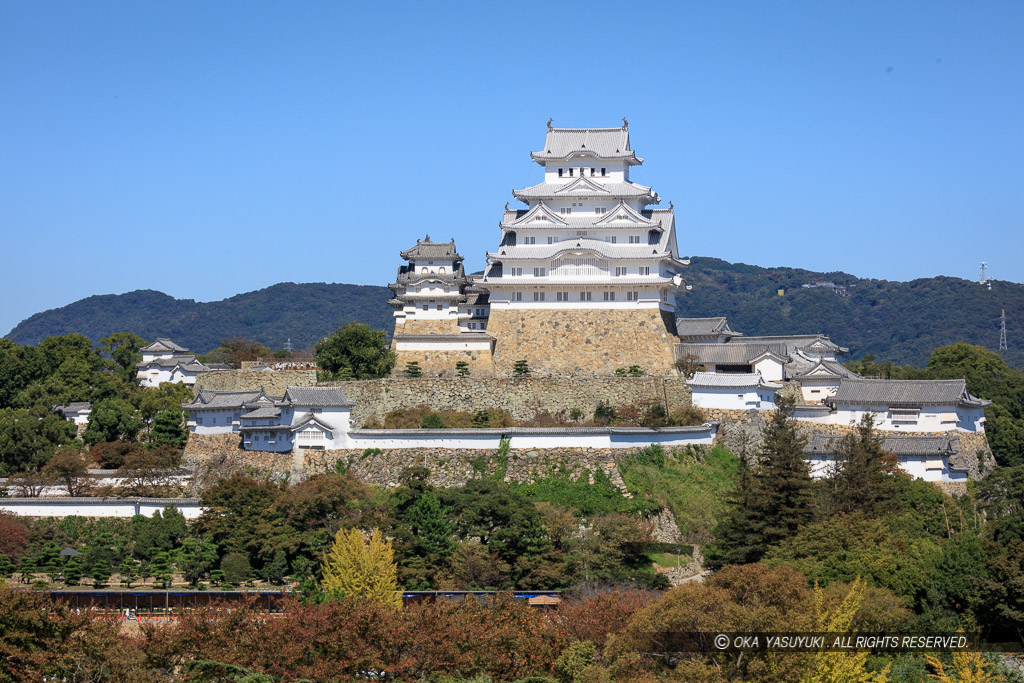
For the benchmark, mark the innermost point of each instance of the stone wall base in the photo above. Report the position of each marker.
(442, 363)
(582, 342)
(274, 382)
(427, 327)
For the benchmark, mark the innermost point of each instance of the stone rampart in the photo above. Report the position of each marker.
(580, 342)
(454, 467)
(433, 363)
(274, 382)
(419, 326)
(524, 398)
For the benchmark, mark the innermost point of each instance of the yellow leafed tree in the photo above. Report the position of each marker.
(841, 667)
(363, 565)
(968, 667)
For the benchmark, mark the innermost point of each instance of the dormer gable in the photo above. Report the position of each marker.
(626, 216)
(582, 185)
(539, 216)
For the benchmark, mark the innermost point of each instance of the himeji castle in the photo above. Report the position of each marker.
(585, 275)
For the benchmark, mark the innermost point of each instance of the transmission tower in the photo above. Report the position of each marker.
(288, 345)
(1002, 331)
(983, 278)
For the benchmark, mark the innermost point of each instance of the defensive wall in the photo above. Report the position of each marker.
(98, 507)
(524, 398)
(578, 342)
(274, 382)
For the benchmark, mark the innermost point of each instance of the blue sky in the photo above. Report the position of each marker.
(207, 149)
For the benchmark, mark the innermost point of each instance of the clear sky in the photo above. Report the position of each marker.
(206, 149)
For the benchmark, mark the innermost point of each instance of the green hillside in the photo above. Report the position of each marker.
(303, 312)
(896, 321)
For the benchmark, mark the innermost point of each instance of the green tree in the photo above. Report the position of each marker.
(112, 419)
(785, 490)
(128, 571)
(357, 349)
(196, 558)
(865, 473)
(236, 568)
(161, 568)
(462, 368)
(169, 429)
(6, 566)
(123, 350)
(521, 368)
(100, 572)
(28, 437)
(774, 497)
(73, 570)
(412, 369)
(275, 570)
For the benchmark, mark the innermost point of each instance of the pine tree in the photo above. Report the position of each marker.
(6, 566)
(361, 566)
(521, 368)
(462, 368)
(785, 488)
(430, 527)
(128, 571)
(773, 497)
(865, 473)
(739, 538)
(275, 570)
(73, 571)
(100, 572)
(161, 569)
(412, 369)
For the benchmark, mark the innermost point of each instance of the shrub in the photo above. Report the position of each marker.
(521, 369)
(412, 369)
(236, 568)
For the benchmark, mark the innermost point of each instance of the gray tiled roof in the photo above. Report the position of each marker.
(213, 399)
(311, 418)
(163, 344)
(73, 407)
(608, 143)
(811, 344)
(701, 327)
(512, 431)
(170, 362)
(827, 444)
(425, 249)
(531, 252)
(744, 380)
(905, 392)
(585, 187)
(317, 397)
(456, 337)
(263, 411)
(824, 369)
(731, 354)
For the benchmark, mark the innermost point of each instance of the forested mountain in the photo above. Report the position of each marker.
(896, 321)
(303, 312)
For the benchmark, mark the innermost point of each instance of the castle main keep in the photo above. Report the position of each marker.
(583, 281)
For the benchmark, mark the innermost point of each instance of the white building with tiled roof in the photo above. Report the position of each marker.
(165, 361)
(440, 317)
(305, 417)
(931, 458)
(586, 239)
(910, 405)
(732, 391)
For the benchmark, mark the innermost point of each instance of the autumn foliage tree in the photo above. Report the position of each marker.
(361, 565)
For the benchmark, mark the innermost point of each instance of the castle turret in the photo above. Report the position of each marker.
(585, 277)
(439, 315)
